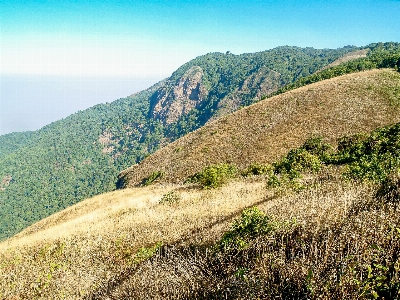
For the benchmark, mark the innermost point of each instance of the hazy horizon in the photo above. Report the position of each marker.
(60, 96)
(58, 57)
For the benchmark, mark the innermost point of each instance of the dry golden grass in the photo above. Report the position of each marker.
(267, 130)
(89, 250)
(72, 252)
(347, 57)
(332, 234)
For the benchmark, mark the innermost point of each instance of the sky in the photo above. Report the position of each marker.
(58, 57)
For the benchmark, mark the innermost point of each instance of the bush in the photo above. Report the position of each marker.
(308, 158)
(153, 177)
(170, 197)
(370, 157)
(215, 176)
(251, 224)
(258, 169)
(297, 161)
(316, 146)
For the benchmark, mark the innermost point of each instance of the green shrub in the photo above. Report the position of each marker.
(390, 61)
(274, 181)
(258, 169)
(308, 158)
(370, 157)
(170, 197)
(251, 224)
(377, 283)
(297, 161)
(348, 143)
(317, 146)
(378, 279)
(215, 176)
(153, 177)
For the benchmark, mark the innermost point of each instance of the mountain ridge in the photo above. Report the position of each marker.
(246, 239)
(81, 155)
(263, 124)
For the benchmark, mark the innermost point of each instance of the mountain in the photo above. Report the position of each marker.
(80, 156)
(265, 131)
(319, 221)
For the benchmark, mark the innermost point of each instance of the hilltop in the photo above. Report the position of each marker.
(265, 131)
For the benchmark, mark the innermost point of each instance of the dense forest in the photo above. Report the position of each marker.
(80, 156)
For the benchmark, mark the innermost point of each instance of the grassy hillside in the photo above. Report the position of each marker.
(76, 251)
(267, 130)
(332, 239)
(322, 222)
(80, 156)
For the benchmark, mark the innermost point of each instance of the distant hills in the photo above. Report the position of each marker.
(80, 156)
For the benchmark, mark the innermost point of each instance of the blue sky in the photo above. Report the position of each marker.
(61, 56)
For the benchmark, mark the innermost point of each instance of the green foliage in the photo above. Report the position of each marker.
(170, 197)
(374, 157)
(370, 157)
(381, 55)
(215, 176)
(258, 169)
(351, 145)
(250, 225)
(146, 252)
(310, 157)
(377, 278)
(376, 282)
(11, 142)
(153, 177)
(298, 161)
(316, 146)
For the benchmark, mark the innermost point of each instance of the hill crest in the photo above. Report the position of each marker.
(332, 108)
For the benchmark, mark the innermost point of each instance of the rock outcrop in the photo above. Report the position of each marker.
(172, 102)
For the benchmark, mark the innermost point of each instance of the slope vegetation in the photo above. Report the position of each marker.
(265, 131)
(81, 155)
(76, 251)
(326, 239)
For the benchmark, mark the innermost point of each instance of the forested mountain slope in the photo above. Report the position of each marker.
(80, 156)
(265, 131)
